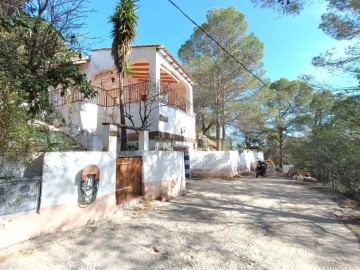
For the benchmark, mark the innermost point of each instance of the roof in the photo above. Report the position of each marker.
(82, 60)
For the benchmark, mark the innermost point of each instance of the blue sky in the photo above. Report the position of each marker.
(289, 42)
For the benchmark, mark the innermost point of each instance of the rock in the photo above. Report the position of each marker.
(308, 178)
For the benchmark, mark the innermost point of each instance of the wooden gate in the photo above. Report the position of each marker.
(128, 178)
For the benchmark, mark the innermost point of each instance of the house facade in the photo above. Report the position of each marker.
(158, 97)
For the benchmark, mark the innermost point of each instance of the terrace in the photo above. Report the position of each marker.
(133, 93)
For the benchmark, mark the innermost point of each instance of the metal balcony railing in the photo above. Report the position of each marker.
(132, 93)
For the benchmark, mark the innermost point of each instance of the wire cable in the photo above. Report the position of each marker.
(217, 43)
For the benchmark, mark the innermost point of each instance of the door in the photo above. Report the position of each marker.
(128, 178)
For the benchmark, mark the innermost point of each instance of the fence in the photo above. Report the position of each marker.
(132, 93)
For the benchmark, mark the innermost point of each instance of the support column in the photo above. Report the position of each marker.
(154, 73)
(109, 138)
(144, 140)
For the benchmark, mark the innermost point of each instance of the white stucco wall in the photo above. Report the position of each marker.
(221, 163)
(62, 174)
(134, 110)
(61, 208)
(163, 165)
(86, 116)
(161, 171)
(177, 120)
(84, 119)
(100, 60)
(250, 157)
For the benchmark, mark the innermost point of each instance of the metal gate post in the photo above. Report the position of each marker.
(187, 164)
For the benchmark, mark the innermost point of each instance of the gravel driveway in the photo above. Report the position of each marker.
(247, 223)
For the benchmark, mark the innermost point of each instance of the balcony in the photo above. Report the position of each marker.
(132, 93)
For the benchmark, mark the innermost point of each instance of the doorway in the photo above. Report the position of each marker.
(128, 178)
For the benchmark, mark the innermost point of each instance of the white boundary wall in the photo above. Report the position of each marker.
(62, 175)
(61, 207)
(222, 163)
(163, 172)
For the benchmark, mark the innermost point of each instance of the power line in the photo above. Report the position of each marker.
(217, 43)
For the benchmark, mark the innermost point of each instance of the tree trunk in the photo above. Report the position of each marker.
(331, 180)
(217, 115)
(247, 142)
(203, 128)
(281, 148)
(218, 146)
(207, 128)
(222, 115)
(223, 136)
(123, 146)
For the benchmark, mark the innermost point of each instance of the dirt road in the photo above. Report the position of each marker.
(247, 223)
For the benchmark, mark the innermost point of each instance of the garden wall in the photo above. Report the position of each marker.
(60, 205)
(222, 163)
(163, 172)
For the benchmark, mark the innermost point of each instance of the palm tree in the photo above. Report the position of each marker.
(124, 23)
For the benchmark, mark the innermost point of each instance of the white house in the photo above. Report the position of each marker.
(157, 88)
